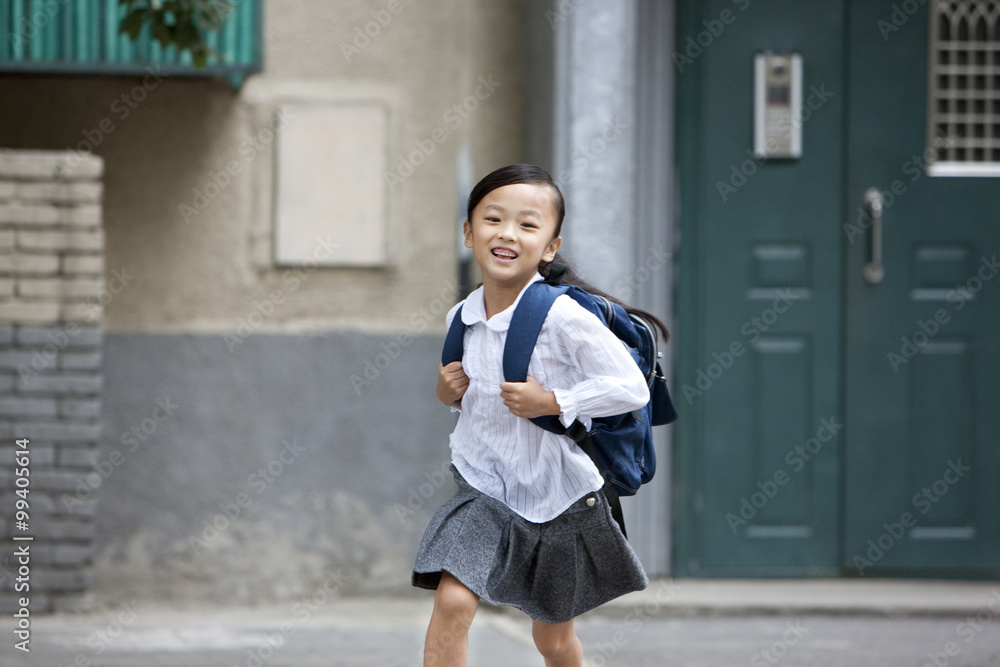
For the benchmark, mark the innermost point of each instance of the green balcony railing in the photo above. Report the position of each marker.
(82, 37)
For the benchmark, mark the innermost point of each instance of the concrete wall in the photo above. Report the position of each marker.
(245, 355)
(268, 469)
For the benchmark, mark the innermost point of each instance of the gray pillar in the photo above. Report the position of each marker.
(594, 151)
(600, 118)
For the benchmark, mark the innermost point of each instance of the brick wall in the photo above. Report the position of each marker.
(51, 299)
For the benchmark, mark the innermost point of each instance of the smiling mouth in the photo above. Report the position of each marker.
(504, 253)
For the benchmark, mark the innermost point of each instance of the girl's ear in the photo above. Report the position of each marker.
(550, 252)
(467, 229)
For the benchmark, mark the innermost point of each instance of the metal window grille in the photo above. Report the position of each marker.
(964, 88)
(81, 37)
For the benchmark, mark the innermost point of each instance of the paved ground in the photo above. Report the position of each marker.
(685, 624)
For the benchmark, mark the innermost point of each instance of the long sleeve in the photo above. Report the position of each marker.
(608, 381)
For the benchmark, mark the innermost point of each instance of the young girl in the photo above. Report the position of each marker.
(529, 526)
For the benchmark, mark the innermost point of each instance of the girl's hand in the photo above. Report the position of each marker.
(528, 399)
(452, 383)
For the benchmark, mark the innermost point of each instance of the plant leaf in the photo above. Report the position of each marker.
(132, 24)
(163, 34)
(187, 36)
(182, 23)
(200, 57)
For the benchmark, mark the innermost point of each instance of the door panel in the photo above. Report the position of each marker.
(921, 347)
(766, 373)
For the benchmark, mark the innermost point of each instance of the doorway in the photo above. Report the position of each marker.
(837, 307)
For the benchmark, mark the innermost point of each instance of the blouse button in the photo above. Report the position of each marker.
(591, 501)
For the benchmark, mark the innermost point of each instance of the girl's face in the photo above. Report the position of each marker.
(513, 229)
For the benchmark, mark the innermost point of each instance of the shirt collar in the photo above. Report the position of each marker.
(474, 309)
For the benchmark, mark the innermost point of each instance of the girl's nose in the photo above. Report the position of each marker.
(508, 232)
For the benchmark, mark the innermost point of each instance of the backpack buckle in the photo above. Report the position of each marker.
(577, 432)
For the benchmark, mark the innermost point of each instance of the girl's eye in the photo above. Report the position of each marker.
(528, 225)
(493, 219)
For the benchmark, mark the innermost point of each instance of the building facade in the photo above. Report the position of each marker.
(283, 253)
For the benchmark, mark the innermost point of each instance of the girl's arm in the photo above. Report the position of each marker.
(611, 381)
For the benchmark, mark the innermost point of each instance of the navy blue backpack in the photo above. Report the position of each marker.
(621, 445)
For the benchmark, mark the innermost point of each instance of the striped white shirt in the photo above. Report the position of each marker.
(539, 474)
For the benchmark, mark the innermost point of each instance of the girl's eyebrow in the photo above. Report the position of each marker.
(528, 211)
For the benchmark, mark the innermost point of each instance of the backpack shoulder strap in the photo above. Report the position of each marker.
(522, 334)
(454, 346)
(525, 325)
(593, 304)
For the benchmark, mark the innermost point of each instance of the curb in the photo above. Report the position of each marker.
(825, 597)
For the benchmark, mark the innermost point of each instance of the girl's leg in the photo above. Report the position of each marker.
(447, 640)
(558, 644)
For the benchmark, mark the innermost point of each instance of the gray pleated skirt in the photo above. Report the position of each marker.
(553, 571)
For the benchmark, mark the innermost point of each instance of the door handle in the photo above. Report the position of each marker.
(874, 271)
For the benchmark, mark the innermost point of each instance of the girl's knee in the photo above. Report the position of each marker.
(455, 602)
(554, 641)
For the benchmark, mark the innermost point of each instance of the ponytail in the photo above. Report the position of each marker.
(558, 272)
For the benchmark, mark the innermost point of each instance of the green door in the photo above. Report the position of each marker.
(922, 345)
(805, 442)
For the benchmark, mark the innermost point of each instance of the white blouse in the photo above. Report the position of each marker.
(539, 474)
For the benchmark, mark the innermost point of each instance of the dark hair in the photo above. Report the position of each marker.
(511, 175)
(557, 271)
